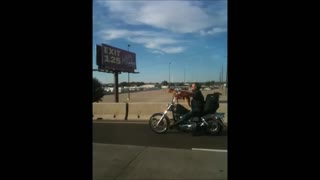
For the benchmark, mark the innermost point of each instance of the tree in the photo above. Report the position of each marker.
(139, 83)
(122, 84)
(180, 84)
(157, 85)
(164, 83)
(171, 84)
(209, 83)
(97, 90)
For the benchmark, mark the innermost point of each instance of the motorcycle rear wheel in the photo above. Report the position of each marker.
(163, 125)
(214, 127)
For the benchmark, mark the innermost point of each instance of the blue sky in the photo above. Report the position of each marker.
(187, 37)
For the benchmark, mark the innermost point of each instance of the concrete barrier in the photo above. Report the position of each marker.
(223, 108)
(143, 111)
(138, 110)
(114, 111)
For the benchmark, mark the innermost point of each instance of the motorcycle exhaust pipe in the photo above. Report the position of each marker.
(189, 127)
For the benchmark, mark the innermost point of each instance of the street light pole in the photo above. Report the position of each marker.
(128, 98)
(222, 78)
(227, 77)
(184, 75)
(169, 73)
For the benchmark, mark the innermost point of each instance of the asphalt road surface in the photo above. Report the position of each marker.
(141, 135)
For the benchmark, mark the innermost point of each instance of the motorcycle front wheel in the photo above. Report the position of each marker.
(163, 125)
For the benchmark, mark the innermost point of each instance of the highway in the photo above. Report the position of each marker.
(139, 134)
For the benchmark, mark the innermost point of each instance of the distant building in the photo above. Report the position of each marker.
(148, 86)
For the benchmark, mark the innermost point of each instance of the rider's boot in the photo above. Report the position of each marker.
(176, 124)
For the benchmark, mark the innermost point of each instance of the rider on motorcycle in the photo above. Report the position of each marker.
(197, 104)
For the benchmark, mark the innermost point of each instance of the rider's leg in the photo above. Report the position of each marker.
(184, 118)
(197, 130)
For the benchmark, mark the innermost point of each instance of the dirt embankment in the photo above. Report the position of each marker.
(154, 96)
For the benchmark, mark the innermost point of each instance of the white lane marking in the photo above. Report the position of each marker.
(124, 145)
(214, 150)
(123, 122)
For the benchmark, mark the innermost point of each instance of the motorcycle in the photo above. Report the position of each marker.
(210, 122)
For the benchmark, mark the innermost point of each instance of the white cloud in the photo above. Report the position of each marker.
(153, 42)
(173, 49)
(158, 42)
(114, 34)
(213, 31)
(157, 52)
(176, 16)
